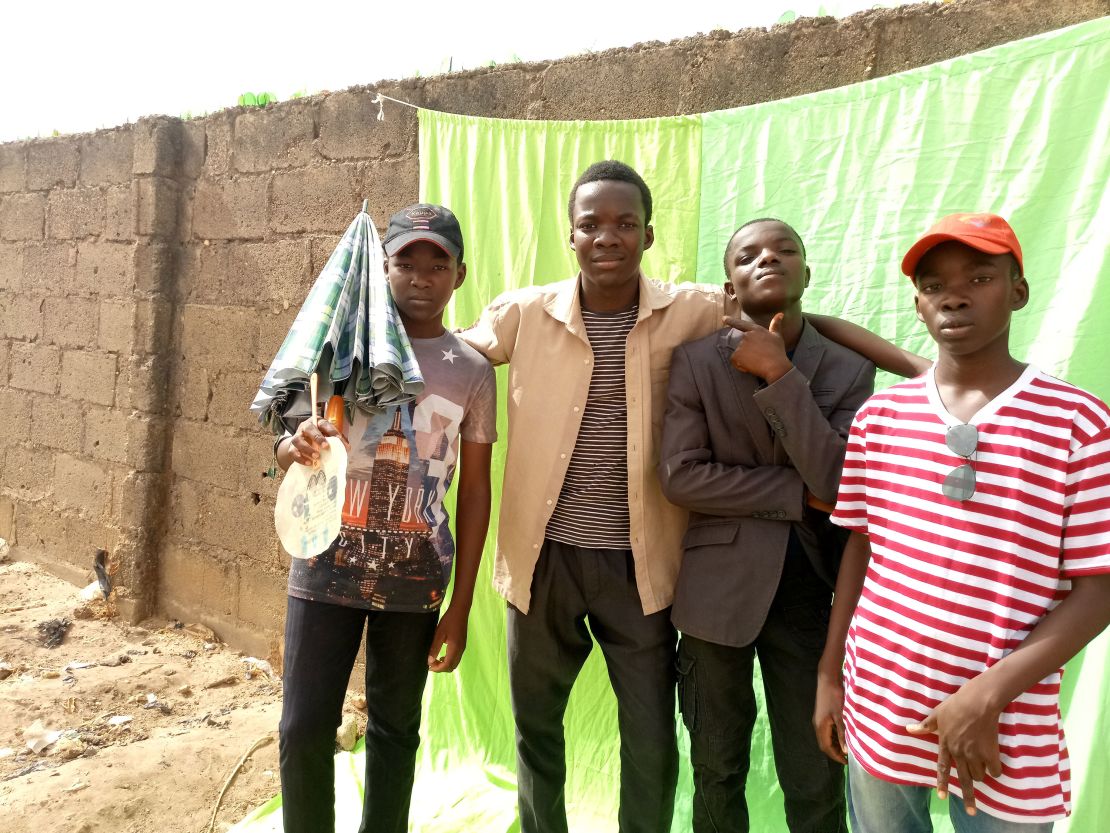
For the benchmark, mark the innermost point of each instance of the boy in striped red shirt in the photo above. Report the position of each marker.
(978, 496)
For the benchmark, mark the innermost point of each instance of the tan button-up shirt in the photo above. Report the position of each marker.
(539, 332)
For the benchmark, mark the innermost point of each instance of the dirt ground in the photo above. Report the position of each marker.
(153, 719)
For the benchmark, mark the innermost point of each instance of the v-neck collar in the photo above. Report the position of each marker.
(984, 413)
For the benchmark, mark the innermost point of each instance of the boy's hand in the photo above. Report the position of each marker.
(761, 352)
(451, 631)
(828, 716)
(816, 503)
(310, 439)
(967, 735)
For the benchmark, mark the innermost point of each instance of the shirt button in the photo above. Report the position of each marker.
(562, 456)
(585, 361)
(576, 409)
(549, 503)
(535, 546)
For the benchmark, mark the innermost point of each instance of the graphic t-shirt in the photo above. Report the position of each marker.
(395, 550)
(954, 586)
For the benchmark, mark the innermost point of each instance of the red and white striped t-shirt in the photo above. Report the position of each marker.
(952, 587)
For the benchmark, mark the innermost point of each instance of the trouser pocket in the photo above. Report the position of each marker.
(686, 665)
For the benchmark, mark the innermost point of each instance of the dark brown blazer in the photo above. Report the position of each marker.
(739, 455)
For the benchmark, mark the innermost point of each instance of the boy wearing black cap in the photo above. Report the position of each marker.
(387, 572)
(979, 561)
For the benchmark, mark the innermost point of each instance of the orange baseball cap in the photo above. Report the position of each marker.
(986, 232)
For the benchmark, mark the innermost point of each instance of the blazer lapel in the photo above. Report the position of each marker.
(744, 387)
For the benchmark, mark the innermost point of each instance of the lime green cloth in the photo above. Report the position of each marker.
(1021, 129)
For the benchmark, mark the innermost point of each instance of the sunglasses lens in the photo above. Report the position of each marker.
(962, 439)
(959, 484)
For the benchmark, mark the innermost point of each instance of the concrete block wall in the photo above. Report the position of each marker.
(149, 273)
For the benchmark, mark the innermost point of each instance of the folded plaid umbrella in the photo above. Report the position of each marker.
(349, 333)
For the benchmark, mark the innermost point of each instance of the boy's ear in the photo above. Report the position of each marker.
(917, 306)
(572, 239)
(1019, 294)
(460, 275)
(730, 290)
(649, 236)
(809, 275)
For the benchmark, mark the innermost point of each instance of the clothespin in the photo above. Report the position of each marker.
(381, 106)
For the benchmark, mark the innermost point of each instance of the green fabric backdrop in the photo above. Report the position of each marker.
(1021, 129)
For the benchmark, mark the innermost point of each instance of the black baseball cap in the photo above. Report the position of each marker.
(424, 221)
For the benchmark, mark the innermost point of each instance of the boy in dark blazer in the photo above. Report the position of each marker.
(753, 443)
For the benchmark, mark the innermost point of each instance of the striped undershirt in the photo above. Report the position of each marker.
(954, 586)
(592, 510)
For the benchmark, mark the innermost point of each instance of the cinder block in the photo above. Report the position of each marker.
(28, 472)
(259, 456)
(105, 434)
(13, 167)
(51, 163)
(153, 324)
(184, 508)
(89, 376)
(322, 247)
(157, 147)
(219, 337)
(262, 594)
(35, 367)
(230, 209)
(193, 147)
(156, 207)
(57, 423)
(236, 522)
(323, 198)
(49, 268)
(38, 527)
(208, 453)
(146, 442)
(232, 394)
(217, 143)
(272, 330)
(391, 185)
(196, 581)
(22, 216)
(192, 393)
(15, 402)
(75, 213)
(154, 267)
(203, 277)
(136, 498)
(116, 320)
(82, 484)
(275, 272)
(635, 86)
(141, 384)
(277, 137)
(11, 266)
(105, 269)
(349, 126)
(21, 316)
(119, 212)
(106, 157)
(5, 361)
(83, 537)
(71, 322)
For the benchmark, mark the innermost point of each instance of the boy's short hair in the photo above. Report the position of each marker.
(613, 170)
(987, 233)
(424, 221)
(789, 228)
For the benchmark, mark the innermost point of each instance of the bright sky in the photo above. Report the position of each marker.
(77, 66)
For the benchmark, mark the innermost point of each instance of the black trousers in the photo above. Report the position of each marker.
(321, 642)
(547, 648)
(718, 706)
